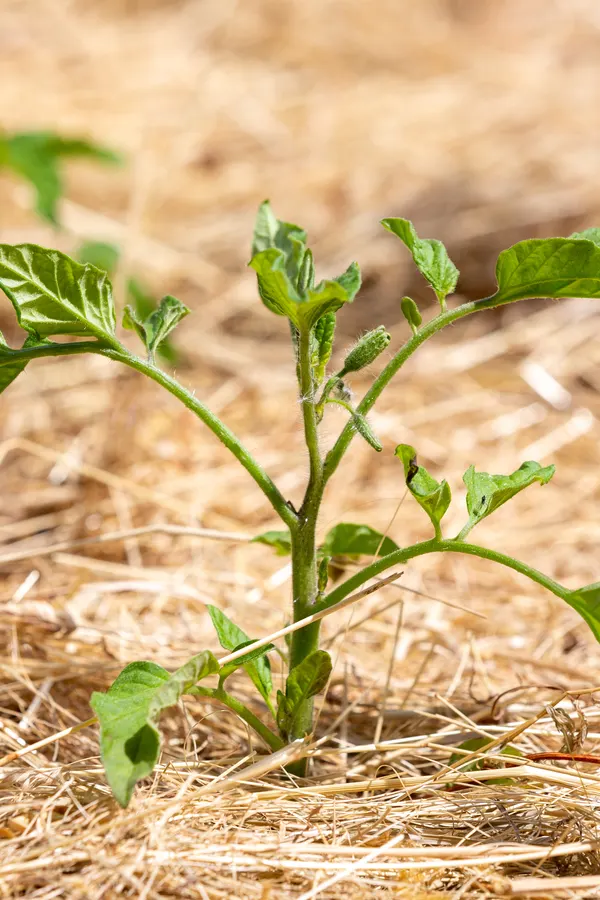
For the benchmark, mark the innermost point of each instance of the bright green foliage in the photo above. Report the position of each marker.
(243, 661)
(323, 345)
(285, 273)
(281, 541)
(586, 600)
(105, 256)
(549, 267)
(158, 325)
(411, 313)
(304, 681)
(431, 495)
(14, 367)
(347, 539)
(590, 234)
(477, 765)
(232, 638)
(366, 350)
(430, 257)
(37, 156)
(56, 296)
(129, 712)
(485, 493)
(281, 297)
(53, 294)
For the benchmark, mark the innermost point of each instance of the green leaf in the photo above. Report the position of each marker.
(265, 228)
(275, 288)
(411, 313)
(271, 233)
(281, 297)
(11, 368)
(549, 267)
(159, 324)
(323, 338)
(129, 713)
(485, 493)
(586, 601)
(347, 539)
(350, 280)
(53, 294)
(100, 254)
(430, 257)
(327, 297)
(431, 495)
(477, 765)
(590, 234)
(304, 681)
(228, 669)
(285, 273)
(281, 541)
(36, 157)
(231, 638)
(144, 305)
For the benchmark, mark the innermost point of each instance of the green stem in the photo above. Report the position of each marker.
(436, 324)
(303, 536)
(309, 413)
(272, 740)
(436, 546)
(221, 431)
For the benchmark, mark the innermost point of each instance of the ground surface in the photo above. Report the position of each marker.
(478, 122)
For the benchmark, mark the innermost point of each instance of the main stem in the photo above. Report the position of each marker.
(304, 547)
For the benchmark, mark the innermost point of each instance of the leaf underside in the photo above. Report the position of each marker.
(129, 712)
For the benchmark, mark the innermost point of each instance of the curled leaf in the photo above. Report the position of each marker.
(129, 713)
(304, 681)
(431, 495)
(153, 330)
(485, 493)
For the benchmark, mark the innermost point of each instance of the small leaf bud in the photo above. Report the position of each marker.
(411, 313)
(306, 274)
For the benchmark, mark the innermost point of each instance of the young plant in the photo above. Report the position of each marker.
(55, 296)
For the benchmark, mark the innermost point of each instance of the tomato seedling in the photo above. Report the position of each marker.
(54, 295)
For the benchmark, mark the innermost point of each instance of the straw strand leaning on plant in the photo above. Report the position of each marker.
(54, 295)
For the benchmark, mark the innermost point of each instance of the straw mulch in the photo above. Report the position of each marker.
(478, 121)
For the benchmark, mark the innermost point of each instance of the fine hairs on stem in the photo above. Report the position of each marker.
(55, 296)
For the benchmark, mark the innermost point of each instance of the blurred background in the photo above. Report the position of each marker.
(477, 120)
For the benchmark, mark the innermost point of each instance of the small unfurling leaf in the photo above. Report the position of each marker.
(411, 313)
(431, 495)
